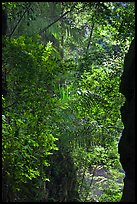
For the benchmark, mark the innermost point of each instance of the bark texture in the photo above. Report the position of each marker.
(127, 142)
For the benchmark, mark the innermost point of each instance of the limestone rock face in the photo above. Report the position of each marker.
(127, 143)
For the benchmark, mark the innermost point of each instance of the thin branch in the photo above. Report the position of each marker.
(90, 37)
(19, 20)
(64, 14)
(92, 178)
(15, 102)
(91, 32)
(62, 35)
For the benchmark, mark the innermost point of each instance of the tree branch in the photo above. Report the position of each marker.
(43, 30)
(91, 32)
(19, 21)
(15, 102)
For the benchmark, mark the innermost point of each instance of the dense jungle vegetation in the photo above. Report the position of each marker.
(61, 123)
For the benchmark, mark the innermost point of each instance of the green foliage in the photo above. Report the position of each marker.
(27, 137)
(66, 100)
(9, 5)
(111, 194)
